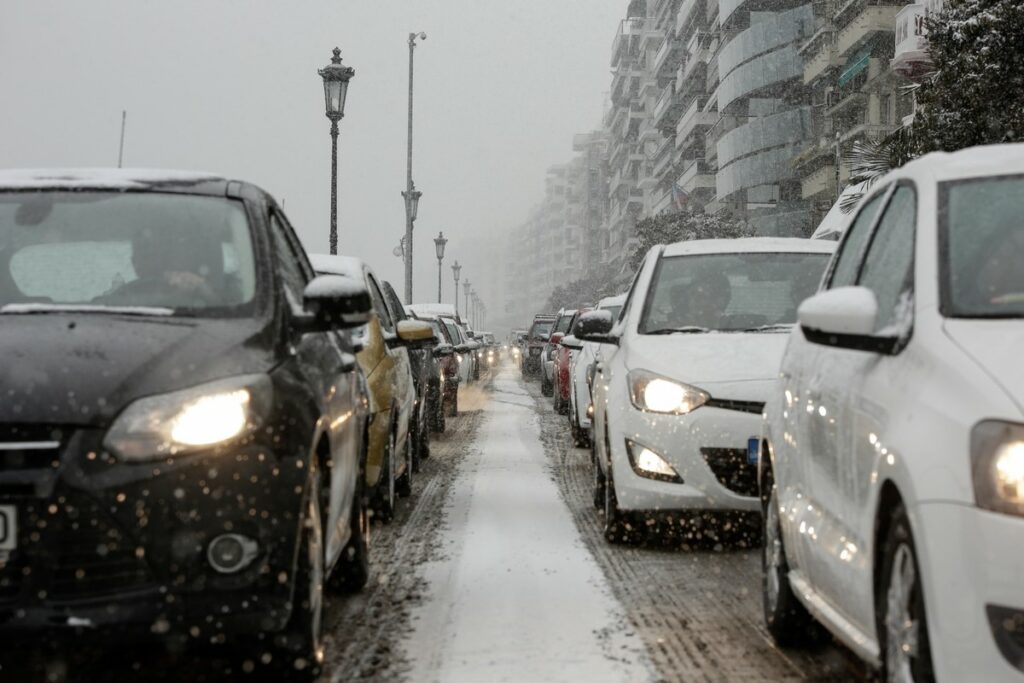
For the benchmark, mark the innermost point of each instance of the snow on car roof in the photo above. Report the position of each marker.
(433, 310)
(750, 244)
(349, 266)
(983, 160)
(616, 300)
(97, 178)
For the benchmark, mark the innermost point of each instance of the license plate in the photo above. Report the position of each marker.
(753, 444)
(8, 528)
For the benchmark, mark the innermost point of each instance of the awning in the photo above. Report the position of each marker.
(858, 63)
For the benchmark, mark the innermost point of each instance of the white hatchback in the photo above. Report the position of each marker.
(581, 368)
(892, 468)
(696, 349)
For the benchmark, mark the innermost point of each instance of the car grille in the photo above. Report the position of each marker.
(535, 351)
(29, 447)
(755, 407)
(732, 470)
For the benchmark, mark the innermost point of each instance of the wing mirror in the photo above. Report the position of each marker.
(596, 326)
(444, 350)
(415, 334)
(555, 338)
(335, 302)
(462, 348)
(845, 317)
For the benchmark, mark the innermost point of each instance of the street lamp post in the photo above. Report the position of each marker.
(439, 245)
(412, 196)
(466, 289)
(336, 77)
(456, 269)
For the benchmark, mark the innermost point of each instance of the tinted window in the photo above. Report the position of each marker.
(293, 279)
(845, 272)
(453, 332)
(982, 233)
(563, 324)
(888, 266)
(541, 328)
(729, 292)
(380, 307)
(136, 249)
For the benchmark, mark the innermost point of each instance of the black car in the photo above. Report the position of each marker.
(181, 429)
(536, 339)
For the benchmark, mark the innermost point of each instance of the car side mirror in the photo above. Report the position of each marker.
(443, 350)
(461, 348)
(415, 334)
(335, 302)
(596, 326)
(844, 317)
(555, 338)
(572, 342)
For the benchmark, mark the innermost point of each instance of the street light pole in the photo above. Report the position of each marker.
(410, 192)
(466, 289)
(336, 78)
(439, 244)
(456, 269)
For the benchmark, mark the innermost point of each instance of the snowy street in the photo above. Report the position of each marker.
(498, 571)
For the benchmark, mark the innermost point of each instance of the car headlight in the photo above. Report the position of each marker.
(189, 420)
(459, 358)
(656, 394)
(646, 463)
(997, 459)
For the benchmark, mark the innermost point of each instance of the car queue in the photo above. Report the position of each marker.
(861, 403)
(200, 420)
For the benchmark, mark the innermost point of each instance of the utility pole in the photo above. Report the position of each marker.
(120, 150)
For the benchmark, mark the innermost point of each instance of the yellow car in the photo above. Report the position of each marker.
(384, 359)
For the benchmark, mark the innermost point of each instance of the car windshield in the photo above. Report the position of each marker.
(541, 328)
(132, 252)
(729, 292)
(614, 310)
(983, 245)
(563, 323)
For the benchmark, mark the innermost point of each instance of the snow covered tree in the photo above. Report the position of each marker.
(595, 285)
(976, 95)
(684, 225)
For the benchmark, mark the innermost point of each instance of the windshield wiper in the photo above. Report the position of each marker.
(766, 328)
(28, 309)
(688, 329)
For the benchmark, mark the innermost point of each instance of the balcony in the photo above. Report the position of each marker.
(663, 158)
(694, 120)
(822, 61)
(696, 174)
(911, 59)
(685, 15)
(666, 59)
(822, 180)
(869, 21)
(629, 30)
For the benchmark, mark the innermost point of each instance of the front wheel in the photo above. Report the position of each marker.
(546, 389)
(403, 485)
(384, 507)
(352, 570)
(902, 622)
(618, 527)
(787, 619)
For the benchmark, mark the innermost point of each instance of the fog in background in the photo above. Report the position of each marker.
(232, 87)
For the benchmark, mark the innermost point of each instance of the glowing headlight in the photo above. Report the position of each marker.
(997, 452)
(459, 357)
(655, 394)
(649, 464)
(184, 421)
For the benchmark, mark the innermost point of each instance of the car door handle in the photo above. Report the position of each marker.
(348, 362)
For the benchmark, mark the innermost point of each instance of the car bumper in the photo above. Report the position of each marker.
(106, 544)
(707, 448)
(972, 563)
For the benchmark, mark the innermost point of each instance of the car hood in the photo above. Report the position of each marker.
(83, 369)
(994, 345)
(733, 365)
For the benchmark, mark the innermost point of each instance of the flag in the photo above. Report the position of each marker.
(679, 197)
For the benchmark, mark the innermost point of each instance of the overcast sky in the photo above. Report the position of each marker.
(231, 86)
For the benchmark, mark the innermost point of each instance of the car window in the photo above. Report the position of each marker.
(453, 332)
(394, 303)
(844, 273)
(624, 310)
(379, 305)
(888, 266)
(562, 326)
(292, 276)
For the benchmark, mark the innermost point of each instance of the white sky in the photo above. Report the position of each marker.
(231, 86)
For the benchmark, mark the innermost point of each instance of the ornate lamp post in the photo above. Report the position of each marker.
(456, 269)
(336, 77)
(412, 196)
(439, 245)
(466, 289)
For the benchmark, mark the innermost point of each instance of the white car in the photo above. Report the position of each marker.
(679, 399)
(893, 456)
(581, 368)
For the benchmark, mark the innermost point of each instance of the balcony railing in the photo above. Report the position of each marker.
(692, 119)
(869, 21)
(911, 58)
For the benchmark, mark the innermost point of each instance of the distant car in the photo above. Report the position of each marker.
(563, 322)
(533, 344)
(695, 355)
(183, 417)
(892, 465)
(444, 387)
(384, 359)
(581, 369)
(560, 372)
(425, 372)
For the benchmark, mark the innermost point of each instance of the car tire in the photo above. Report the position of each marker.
(618, 526)
(299, 651)
(386, 497)
(453, 404)
(900, 609)
(599, 485)
(786, 618)
(403, 485)
(437, 419)
(545, 386)
(352, 570)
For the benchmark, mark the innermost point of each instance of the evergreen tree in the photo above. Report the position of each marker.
(681, 226)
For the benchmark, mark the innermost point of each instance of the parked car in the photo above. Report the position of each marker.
(892, 465)
(581, 369)
(697, 350)
(384, 359)
(425, 370)
(445, 386)
(560, 373)
(562, 324)
(182, 424)
(534, 343)
(469, 364)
